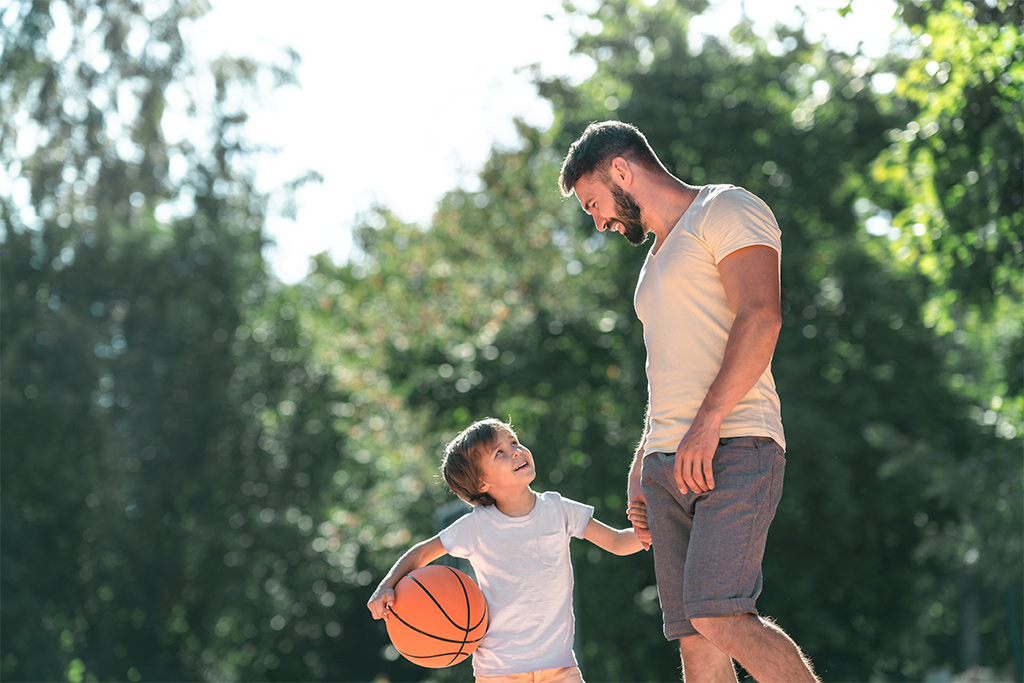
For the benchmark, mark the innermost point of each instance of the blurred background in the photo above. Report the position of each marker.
(257, 269)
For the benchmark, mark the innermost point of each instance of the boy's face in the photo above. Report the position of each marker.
(506, 467)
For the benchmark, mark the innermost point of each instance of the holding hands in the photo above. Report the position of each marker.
(636, 511)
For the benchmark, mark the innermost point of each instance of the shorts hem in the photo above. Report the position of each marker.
(733, 607)
(563, 674)
(679, 629)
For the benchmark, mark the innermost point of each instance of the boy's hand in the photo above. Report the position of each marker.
(380, 602)
(636, 512)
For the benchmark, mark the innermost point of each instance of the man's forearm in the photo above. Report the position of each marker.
(748, 352)
(638, 455)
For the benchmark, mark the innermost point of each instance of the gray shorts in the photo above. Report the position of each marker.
(708, 546)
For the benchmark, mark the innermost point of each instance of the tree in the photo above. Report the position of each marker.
(223, 466)
(948, 192)
(856, 332)
(866, 411)
(164, 449)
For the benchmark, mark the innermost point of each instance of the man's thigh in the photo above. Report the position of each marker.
(708, 546)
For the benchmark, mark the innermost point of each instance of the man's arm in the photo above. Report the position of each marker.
(636, 507)
(752, 287)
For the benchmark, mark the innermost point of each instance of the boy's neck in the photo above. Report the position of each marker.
(518, 505)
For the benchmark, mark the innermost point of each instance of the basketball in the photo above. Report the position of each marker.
(438, 618)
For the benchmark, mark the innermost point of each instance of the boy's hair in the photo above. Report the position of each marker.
(599, 143)
(461, 463)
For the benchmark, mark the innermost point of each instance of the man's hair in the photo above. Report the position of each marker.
(461, 463)
(598, 144)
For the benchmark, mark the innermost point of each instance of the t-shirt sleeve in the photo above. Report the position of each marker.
(577, 516)
(459, 537)
(738, 219)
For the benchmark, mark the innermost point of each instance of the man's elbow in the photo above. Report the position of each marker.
(774, 323)
(767, 321)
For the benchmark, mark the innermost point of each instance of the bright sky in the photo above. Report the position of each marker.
(402, 100)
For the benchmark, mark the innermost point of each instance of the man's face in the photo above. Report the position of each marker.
(629, 216)
(612, 208)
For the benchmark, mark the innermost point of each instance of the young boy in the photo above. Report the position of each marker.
(518, 543)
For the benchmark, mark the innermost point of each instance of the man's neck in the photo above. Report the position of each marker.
(668, 201)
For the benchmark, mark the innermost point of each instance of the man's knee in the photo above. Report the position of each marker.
(713, 628)
(695, 645)
(707, 626)
(703, 661)
(698, 648)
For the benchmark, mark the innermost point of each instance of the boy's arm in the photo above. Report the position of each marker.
(419, 555)
(617, 541)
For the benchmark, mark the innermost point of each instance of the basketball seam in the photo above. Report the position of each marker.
(439, 606)
(435, 637)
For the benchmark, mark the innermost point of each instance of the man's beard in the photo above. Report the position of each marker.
(629, 216)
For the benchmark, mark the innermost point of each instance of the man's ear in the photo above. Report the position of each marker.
(621, 171)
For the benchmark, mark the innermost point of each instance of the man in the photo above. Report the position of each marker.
(707, 475)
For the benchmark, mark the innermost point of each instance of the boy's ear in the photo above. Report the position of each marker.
(484, 486)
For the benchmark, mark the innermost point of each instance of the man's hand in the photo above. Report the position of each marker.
(692, 466)
(636, 511)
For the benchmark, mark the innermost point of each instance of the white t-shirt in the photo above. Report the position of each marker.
(523, 568)
(681, 302)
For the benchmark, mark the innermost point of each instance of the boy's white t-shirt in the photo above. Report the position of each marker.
(686, 317)
(523, 568)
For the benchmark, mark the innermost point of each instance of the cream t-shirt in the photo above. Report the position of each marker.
(686, 317)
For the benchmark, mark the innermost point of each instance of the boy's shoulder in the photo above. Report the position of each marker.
(556, 498)
(566, 507)
(551, 499)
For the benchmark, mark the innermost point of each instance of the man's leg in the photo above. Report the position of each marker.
(705, 663)
(761, 647)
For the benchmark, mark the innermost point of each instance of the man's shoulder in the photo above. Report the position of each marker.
(723, 202)
(730, 193)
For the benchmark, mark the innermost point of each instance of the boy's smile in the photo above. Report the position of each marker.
(507, 467)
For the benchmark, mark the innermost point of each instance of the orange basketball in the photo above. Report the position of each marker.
(438, 618)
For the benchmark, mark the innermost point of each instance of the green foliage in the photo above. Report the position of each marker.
(205, 472)
(164, 448)
(867, 408)
(880, 437)
(949, 184)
